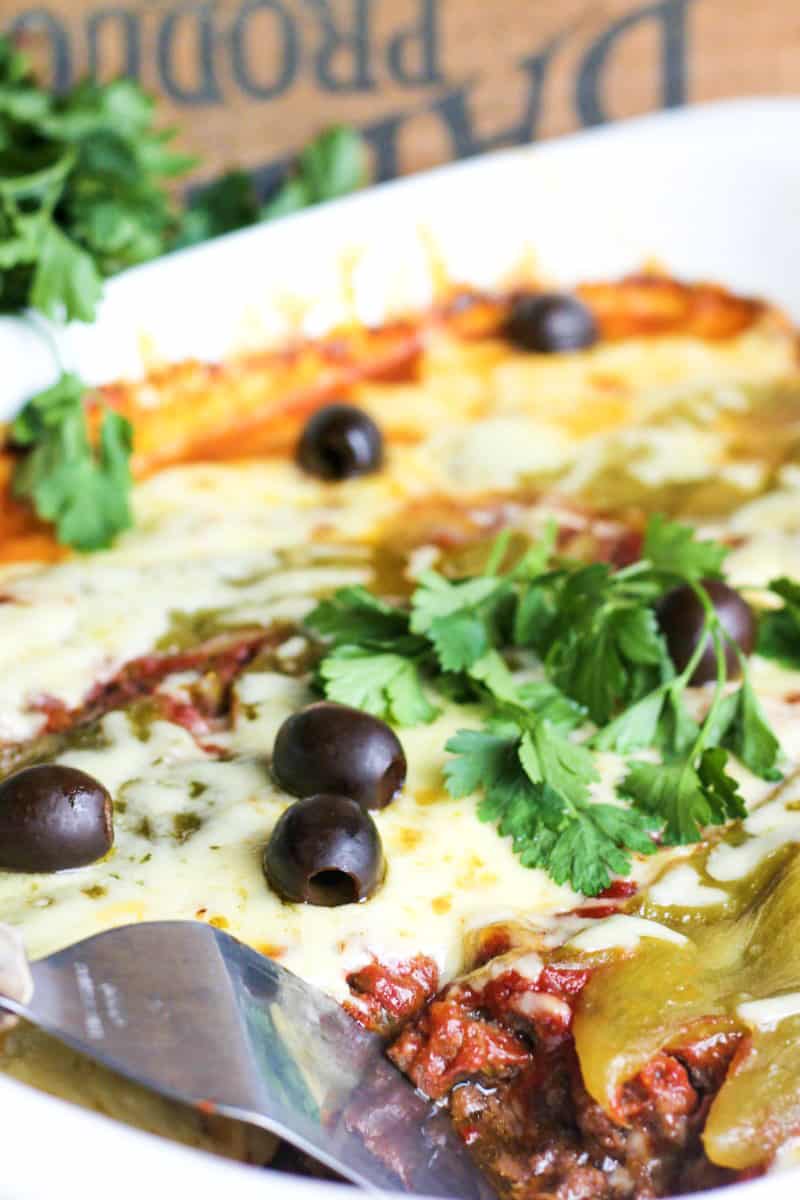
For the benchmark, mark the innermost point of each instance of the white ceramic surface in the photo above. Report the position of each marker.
(710, 192)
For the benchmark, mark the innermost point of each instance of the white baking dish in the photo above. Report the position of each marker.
(710, 193)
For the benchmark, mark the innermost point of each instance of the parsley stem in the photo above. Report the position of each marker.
(713, 628)
(497, 552)
(633, 569)
(709, 625)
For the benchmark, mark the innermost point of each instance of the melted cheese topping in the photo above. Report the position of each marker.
(189, 840)
(682, 887)
(768, 1014)
(621, 932)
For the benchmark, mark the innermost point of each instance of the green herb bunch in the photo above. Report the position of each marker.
(84, 194)
(332, 165)
(81, 189)
(605, 682)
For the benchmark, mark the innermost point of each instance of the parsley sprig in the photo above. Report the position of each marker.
(779, 629)
(332, 165)
(607, 684)
(82, 188)
(84, 193)
(84, 491)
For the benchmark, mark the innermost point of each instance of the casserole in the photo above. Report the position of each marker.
(641, 188)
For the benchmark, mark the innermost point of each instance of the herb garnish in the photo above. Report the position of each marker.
(332, 165)
(779, 629)
(83, 491)
(607, 684)
(81, 188)
(83, 195)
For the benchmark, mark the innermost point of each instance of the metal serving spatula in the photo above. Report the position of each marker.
(190, 1012)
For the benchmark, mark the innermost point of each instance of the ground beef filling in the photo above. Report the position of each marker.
(504, 1058)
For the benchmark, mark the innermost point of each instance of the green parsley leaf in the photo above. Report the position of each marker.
(606, 650)
(332, 165)
(354, 615)
(685, 797)
(552, 825)
(678, 730)
(749, 736)
(548, 756)
(536, 616)
(228, 203)
(65, 278)
(482, 758)
(635, 728)
(451, 615)
(779, 629)
(544, 700)
(721, 789)
(491, 671)
(83, 492)
(595, 846)
(676, 550)
(48, 409)
(384, 684)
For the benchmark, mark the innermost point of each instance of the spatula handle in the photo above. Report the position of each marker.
(16, 981)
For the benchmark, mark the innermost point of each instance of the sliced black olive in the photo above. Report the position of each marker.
(550, 323)
(324, 850)
(332, 748)
(53, 817)
(340, 441)
(681, 618)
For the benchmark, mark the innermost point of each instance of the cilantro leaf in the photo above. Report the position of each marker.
(779, 630)
(482, 758)
(596, 845)
(534, 618)
(47, 409)
(721, 789)
(675, 549)
(635, 728)
(384, 684)
(332, 165)
(65, 279)
(552, 822)
(354, 615)
(686, 798)
(491, 671)
(606, 651)
(548, 756)
(84, 492)
(678, 731)
(541, 698)
(749, 736)
(227, 203)
(451, 615)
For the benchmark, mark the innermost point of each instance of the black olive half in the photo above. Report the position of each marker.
(53, 817)
(550, 323)
(681, 617)
(333, 748)
(340, 441)
(324, 850)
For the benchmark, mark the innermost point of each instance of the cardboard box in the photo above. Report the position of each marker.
(249, 81)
